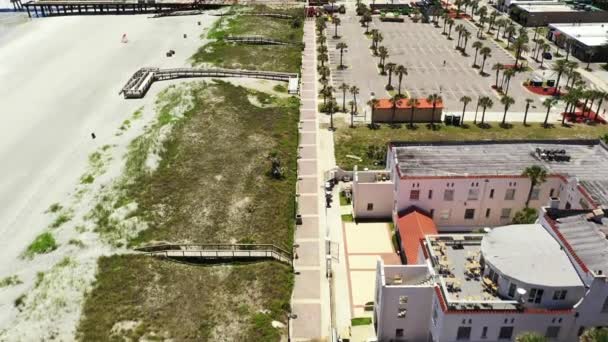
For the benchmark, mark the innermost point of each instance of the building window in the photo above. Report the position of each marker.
(435, 315)
(399, 333)
(464, 333)
(535, 194)
(448, 195)
(469, 214)
(445, 214)
(535, 296)
(402, 313)
(605, 306)
(473, 195)
(484, 332)
(583, 204)
(552, 332)
(402, 300)
(510, 195)
(512, 289)
(568, 205)
(551, 192)
(430, 194)
(505, 213)
(506, 333)
(415, 194)
(370, 206)
(487, 212)
(432, 213)
(560, 294)
(492, 193)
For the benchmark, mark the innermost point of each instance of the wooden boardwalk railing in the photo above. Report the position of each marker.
(256, 40)
(219, 251)
(142, 79)
(272, 15)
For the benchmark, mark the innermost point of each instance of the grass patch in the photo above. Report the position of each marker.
(53, 208)
(213, 180)
(343, 199)
(360, 321)
(87, 179)
(347, 218)
(44, 243)
(279, 88)
(39, 279)
(10, 281)
(61, 219)
(77, 243)
(357, 141)
(223, 54)
(186, 302)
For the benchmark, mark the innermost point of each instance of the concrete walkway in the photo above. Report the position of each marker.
(310, 301)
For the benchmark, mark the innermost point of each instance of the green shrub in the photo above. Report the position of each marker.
(44, 243)
(360, 321)
(10, 281)
(347, 218)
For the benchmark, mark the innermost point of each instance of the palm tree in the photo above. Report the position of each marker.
(485, 103)
(341, 46)
(482, 21)
(520, 45)
(560, 66)
(497, 67)
(322, 57)
(352, 113)
(510, 31)
(548, 103)
(491, 21)
(537, 175)
(477, 109)
(528, 102)
(390, 67)
(434, 99)
(507, 101)
(344, 87)
(331, 109)
(595, 335)
(401, 71)
(476, 45)
(508, 74)
(459, 29)
(465, 100)
(354, 91)
(485, 52)
(376, 39)
(413, 103)
(465, 35)
(372, 105)
(336, 21)
(499, 24)
(450, 24)
(383, 54)
(324, 72)
(327, 92)
(601, 96)
(445, 18)
(395, 102)
(367, 18)
(530, 337)
(545, 47)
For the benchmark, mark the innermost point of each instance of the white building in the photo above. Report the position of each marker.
(547, 278)
(586, 39)
(464, 186)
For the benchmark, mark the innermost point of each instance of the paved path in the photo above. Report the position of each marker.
(310, 301)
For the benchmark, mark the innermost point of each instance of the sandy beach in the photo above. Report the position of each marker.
(60, 79)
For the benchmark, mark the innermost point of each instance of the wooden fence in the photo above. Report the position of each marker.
(256, 40)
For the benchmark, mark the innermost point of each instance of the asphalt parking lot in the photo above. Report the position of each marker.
(423, 49)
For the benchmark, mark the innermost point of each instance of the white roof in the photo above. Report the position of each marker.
(546, 7)
(591, 34)
(527, 253)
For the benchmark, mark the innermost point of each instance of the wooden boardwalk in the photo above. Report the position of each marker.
(219, 252)
(256, 40)
(45, 8)
(137, 86)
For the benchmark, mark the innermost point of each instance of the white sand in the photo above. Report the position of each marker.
(59, 81)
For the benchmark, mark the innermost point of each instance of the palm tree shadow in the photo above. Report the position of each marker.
(395, 125)
(484, 125)
(506, 125)
(412, 127)
(465, 126)
(434, 127)
(549, 125)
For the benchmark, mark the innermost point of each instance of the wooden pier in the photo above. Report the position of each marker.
(45, 8)
(137, 86)
(219, 252)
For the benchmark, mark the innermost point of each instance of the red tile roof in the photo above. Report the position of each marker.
(412, 228)
(403, 104)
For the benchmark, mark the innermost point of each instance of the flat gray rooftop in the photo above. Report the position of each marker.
(589, 160)
(587, 240)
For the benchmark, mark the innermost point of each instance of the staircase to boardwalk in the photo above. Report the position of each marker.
(218, 251)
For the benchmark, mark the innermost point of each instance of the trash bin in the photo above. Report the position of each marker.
(456, 120)
(550, 83)
(448, 119)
